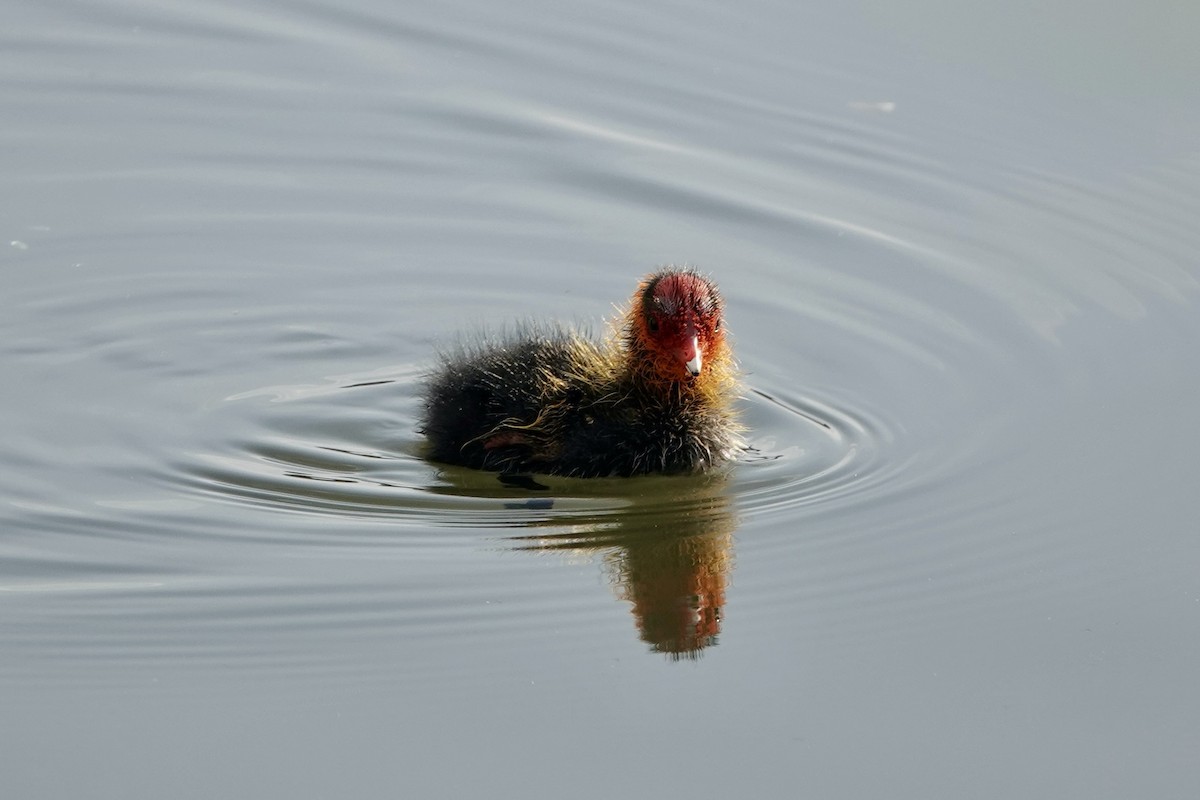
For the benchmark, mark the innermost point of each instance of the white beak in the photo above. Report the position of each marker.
(694, 365)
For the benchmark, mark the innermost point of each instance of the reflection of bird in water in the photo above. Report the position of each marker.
(669, 555)
(677, 588)
(657, 397)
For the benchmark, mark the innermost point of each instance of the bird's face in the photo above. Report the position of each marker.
(679, 323)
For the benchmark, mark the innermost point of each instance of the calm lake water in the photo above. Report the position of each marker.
(959, 253)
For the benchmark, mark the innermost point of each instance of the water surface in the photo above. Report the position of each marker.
(958, 253)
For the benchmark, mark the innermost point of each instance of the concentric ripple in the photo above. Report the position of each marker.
(348, 448)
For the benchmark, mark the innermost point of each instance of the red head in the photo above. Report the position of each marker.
(676, 319)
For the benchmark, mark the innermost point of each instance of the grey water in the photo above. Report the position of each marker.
(958, 248)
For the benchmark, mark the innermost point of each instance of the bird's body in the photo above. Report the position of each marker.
(656, 397)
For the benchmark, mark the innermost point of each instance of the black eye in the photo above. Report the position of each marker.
(652, 323)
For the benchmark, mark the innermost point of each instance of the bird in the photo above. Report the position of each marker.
(657, 395)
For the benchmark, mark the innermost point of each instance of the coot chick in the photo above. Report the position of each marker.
(656, 397)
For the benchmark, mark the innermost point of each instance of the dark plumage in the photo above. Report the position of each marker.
(656, 397)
